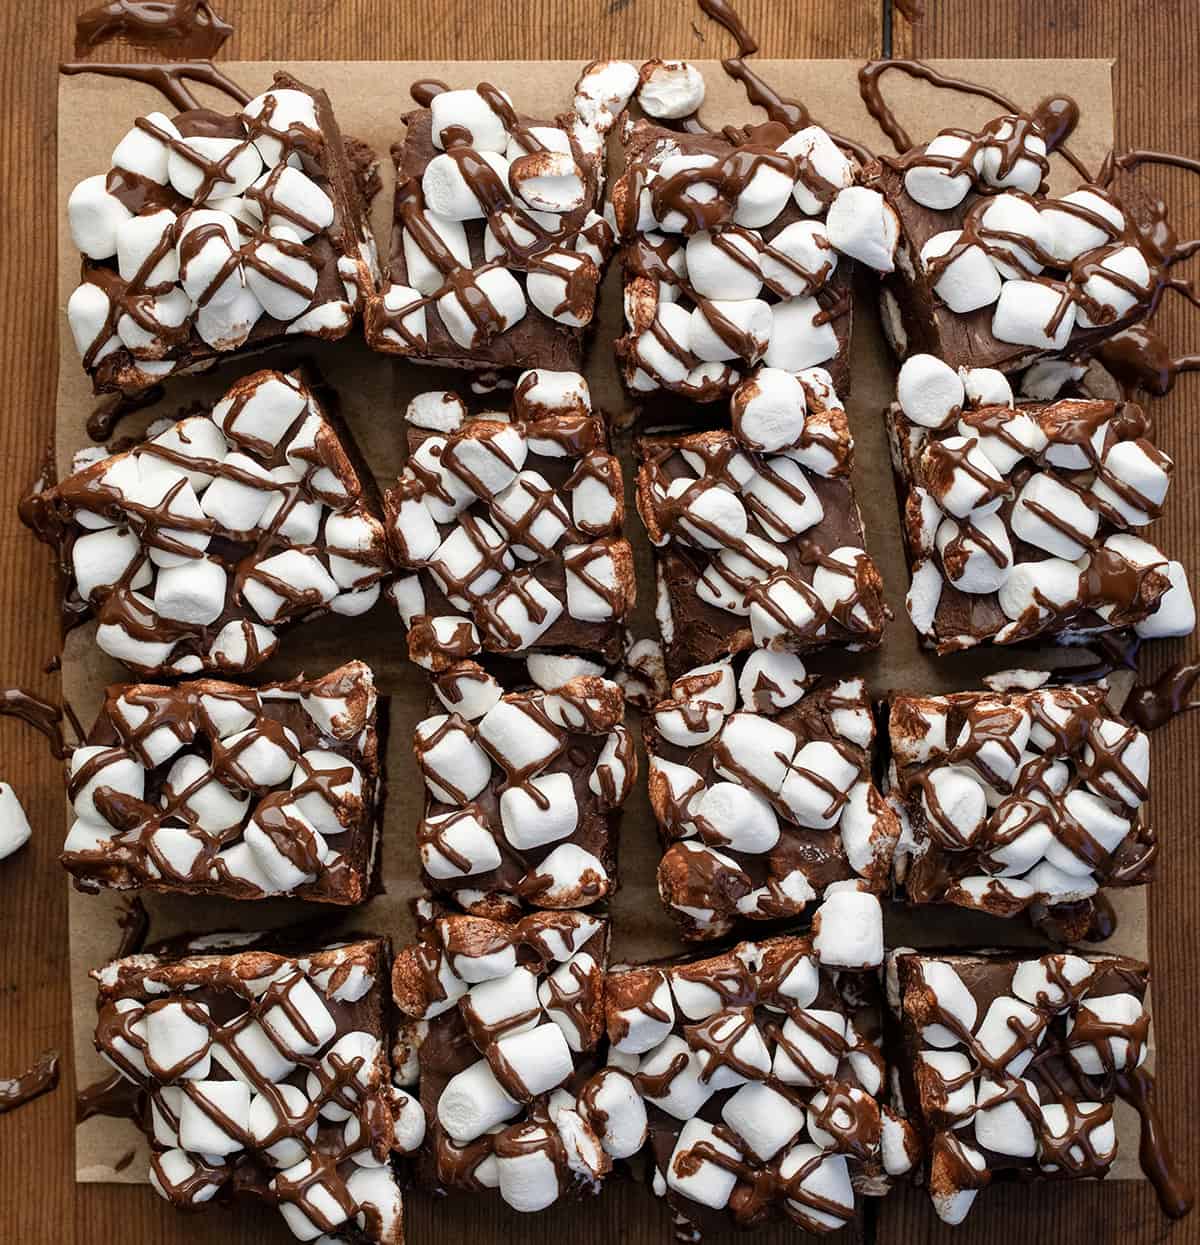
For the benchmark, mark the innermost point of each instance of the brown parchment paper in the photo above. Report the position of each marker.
(369, 99)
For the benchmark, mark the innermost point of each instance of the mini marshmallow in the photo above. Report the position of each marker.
(549, 180)
(302, 572)
(502, 292)
(749, 317)
(968, 487)
(464, 836)
(1005, 1031)
(826, 1183)
(814, 787)
(698, 1178)
(528, 1179)
(422, 274)
(473, 1102)
(736, 817)
(762, 198)
(284, 257)
(1034, 983)
(930, 392)
(982, 555)
(1112, 300)
(862, 224)
(955, 1072)
(954, 796)
(456, 768)
(1071, 234)
(264, 1120)
(192, 594)
(405, 304)
(1019, 427)
(934, 183)
(1140, 466)
(644, 1031)
(687, 1091)
(724, 265)
(470, 111)
(602, 92)
(447, 191)
(614, 1108)
(1034, 584)
(1003, 217)
(574, 876)
(1120, 1010)
(771, 680)
(1031, 313)
(1045, 495)
(87, 314)
(533, 1062)
(545, 812)
(1025, 172)
(755, 750)
(1004, 1128)
(670, 90)
(551, 293)
(142, 237)
(764, 1119)
(203, 1133)
(14, 825)
(969, 281)
(95, 216)
(848, 930)
(768, 410)
(143, 152)
(188, 176)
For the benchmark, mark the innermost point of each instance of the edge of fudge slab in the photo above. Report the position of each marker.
(265, 1076)
(761, 786)
(197, 546)
(214, 788)
(212, 236)
(507, 527)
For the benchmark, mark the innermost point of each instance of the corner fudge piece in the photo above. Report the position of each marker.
(265, 1076)
(1025, 519)
(497, 241)
(761, 786)
(726, 258)
(758, 536)
(510, 527)
(1019, 800)
(761, 1073)
(215, 235)
(212, 788)
(1009, 1068)
(523, 789)
(501, 1033)
(198, 546)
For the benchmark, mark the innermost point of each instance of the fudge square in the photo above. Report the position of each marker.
(757, 534)
(760, 781)
(265, 1076)
(523, 788)
(1019, 800)
(1009, 1066)
(212, 236)
(213, 788)
(726, 258)
(1028, 519)
(762, 1076)
(497, 239)
(196, 548)
(500, 1033)
(507, 527)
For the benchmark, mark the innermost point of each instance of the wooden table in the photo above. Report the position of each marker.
(1157, 46)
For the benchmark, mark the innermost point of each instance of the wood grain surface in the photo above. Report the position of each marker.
(1156, 43)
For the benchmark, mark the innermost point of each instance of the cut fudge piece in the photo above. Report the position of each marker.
(524, 788)
(985, 269)
(1024, 520)
(196, 547)
(1017, 800)
(213, 788)
(216, 235)
(761, 786)
(758, 536)
(500, 1034)
(726, 258)
(1009, 1067)
(265, 1076)
(761, 1071)
(497, 240)
(511, 527)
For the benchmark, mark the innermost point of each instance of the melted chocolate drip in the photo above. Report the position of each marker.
(1152, 705)
(15, 702)
(40, 1079)
(111, 1096)
(1175, 1195)
(170, 80)
(134, 924)
(105, 417)
(191, 27)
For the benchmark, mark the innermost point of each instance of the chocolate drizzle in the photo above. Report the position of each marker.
(189, 26)
(1153, 705)
(38, 1080)
(44, 717)
(169, 79)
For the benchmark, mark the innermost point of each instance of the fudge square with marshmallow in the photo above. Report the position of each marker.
(982, 267)
(265, 1076)
(761, 1071)
(726, 258)
(214, 235)
(757, 533)
(1009, 1067)
(497, 239)
(1019, 800)
(1027, 519)
(507, 527)
(524, 788)
(760, 781)
(213, 788)
(196, 548)
(500, 1031)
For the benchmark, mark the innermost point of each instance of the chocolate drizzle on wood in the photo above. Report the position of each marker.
(38, 1080)
(189, 27)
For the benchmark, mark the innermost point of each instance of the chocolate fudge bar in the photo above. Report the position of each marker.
(761, 785)
(214, 788)
(523, 788)
(1026, 519)
(1019, 800)
(497, 242)
(762, 1074)
(758, 536)
(726, 258)
(501, 1027)
(196, 548)
(215, 235)
(982, 267)
(510, 527)
(267, 1077)
(1009, 1067)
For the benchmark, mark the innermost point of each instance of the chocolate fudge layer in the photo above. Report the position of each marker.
(502, 1028)
(510, 527)
(761, 1073)
(497, 241)
(1009, 1068)
(212, 235)
(212, 788)
(761, 786)
(757, 533)
(268, 1077)
(523, 788)
(1027, 519)
(196, 548)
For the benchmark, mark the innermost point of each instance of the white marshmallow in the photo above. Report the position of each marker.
(1070, 235)
(1011, 215)
(425, 276)
(953, 1068)
(550, 293)
(474, 1102)
(934, 185)
(827, 1182)
(1006, 1030)
(768, 410)
(1115, 301)
(14, 825)
(820, 164)
(527, 823)
(456, 768)
(1025, 173)
(849, 930)
(144, 153)
(969, 281)
(1004, 1128)
(805, 792)
(764, 1119)
(602, 92)
(670, 89)
(188, 176)
(502, 291)
(930, 392)
(1122, 1010)
(265, 1120)
(1053, 580)
(95, 216)
(620, 1122)
(1051, 496)
(697, 1178)
(449, 194)
(863, 225)
(965, 493)
(470, 111)
(1139, 466)
(284, 254)
(750, 316)
(715, 273)
(1024, 313)
(985, 552)
(201, 1133)
(771, 680)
